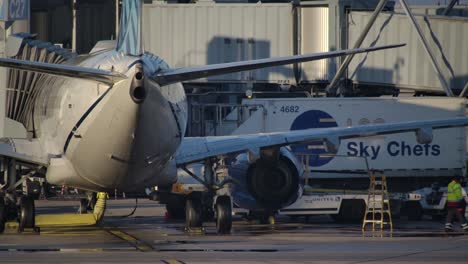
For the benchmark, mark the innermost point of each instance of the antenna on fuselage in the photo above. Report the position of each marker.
(130, 40)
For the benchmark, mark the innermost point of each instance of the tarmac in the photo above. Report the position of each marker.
(148, 236)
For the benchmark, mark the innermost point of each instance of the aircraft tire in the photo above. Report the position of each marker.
(224, 215)
(27, 213)
(175, 206)
(193, 218)
(2, 215)
(413, 211)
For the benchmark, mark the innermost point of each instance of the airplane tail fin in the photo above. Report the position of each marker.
(130, 36)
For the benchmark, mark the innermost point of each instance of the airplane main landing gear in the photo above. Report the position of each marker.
(21, 184)
(212, 203)
(223, 214)
(27, 213)
(193, 216)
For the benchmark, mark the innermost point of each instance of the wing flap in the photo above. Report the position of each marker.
(196, 149)
(191, 73)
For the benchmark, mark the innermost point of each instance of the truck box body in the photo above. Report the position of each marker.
(399, 155)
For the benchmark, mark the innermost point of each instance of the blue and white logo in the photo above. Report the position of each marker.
(316, 150)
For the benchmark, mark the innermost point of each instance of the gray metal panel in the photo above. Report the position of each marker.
(39, 24)
(314, 38)
(459, 10)
(409, 67)
(207, 33)
(95, 22)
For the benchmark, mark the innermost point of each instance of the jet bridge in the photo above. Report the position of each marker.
(22, 85)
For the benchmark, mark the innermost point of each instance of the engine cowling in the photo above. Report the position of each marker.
(266, 184)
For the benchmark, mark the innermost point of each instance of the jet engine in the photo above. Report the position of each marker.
(265, 183)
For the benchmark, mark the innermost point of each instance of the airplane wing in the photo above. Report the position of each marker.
(190, 73)
(97, 75)
(199, 148)
(23, 150)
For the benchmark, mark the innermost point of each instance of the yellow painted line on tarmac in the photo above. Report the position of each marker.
(140, 245)
(172, 261)
(86, 250)
(72, 233)
(123, 235)
(68, 250)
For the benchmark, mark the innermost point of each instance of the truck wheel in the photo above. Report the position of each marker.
(223, 215)
(437, 217)
(351, 211)
(193, 218)
(414, 211)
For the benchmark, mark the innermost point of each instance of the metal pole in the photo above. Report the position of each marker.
(208, 173)
(358, 43)
(11, 173)
(449, 8)
(463, 92)
(117, 2)
(3, 80)
(74, 26)
(438, 70)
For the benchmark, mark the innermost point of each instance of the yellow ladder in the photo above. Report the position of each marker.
(378, 202)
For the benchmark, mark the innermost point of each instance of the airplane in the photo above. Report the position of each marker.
(116, 118)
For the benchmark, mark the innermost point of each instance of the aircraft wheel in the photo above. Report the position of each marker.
(27, 213)
(175, 206)
(2, 215)
(193, 218)
(224, 215)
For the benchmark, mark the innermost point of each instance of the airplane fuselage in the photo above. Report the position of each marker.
(100, 137)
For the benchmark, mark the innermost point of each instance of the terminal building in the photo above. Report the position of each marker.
(205, 32)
